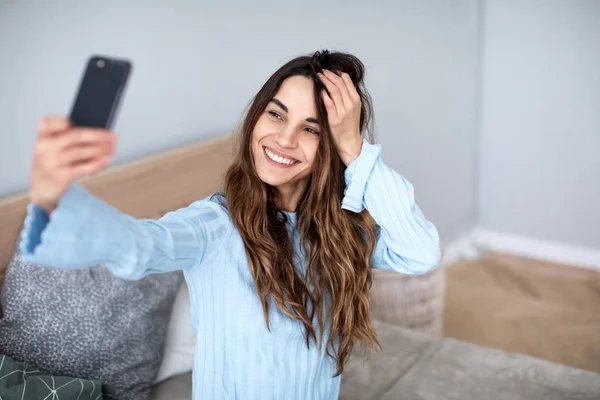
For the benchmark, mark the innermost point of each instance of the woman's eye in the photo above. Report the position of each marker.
(311, 130)
(275, 115)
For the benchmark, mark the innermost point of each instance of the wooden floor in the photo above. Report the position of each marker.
(546, 310)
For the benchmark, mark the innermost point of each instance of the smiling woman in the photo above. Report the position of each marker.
(285, 139)
(295, 160)
(309, 209)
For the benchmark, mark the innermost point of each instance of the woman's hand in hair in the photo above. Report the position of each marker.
(343, 106)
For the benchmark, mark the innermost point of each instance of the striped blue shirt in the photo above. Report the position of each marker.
(236, 356)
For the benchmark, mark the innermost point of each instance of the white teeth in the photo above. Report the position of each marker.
(277, 158)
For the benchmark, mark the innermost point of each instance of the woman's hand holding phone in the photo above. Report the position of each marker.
(64, 154)
(71, 148)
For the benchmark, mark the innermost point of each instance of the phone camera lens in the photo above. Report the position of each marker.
(100, 63)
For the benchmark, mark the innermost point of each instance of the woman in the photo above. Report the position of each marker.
(279, 266)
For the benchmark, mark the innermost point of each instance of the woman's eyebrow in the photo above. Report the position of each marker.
(284, 108)
(280, 104)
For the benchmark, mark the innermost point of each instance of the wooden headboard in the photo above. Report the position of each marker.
(146, 188)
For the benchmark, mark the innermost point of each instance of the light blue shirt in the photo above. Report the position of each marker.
(236, 356)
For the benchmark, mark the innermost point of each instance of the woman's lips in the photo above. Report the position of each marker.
(274, 159)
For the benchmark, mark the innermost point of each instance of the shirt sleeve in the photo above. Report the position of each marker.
(407, 241)
(85, 231)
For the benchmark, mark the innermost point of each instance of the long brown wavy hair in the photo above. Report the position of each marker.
(338, 243)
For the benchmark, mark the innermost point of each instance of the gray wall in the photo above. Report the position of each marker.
(540, 132)
(196, 67)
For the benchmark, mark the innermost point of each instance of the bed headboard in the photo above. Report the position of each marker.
(145, 188)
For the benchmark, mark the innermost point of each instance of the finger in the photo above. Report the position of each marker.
(334, 92)
(351, 87)
(89, 167)
(341, 85)
(329, 105)
(84, 136)
(51, 125)
(78, 154)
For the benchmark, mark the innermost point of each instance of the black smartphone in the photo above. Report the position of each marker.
(100, 91)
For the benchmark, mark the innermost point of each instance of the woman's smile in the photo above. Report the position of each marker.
(277, 159)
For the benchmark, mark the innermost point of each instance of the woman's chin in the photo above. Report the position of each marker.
(270, 179)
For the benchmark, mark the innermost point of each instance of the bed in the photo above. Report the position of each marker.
(415, 363)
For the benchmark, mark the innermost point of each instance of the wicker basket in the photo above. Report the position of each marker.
(412, 301)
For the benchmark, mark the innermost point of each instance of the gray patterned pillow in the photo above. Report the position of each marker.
(88, 324)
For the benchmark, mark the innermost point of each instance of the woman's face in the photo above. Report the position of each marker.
(286, 136)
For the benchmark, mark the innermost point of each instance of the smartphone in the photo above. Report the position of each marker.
(100, 92)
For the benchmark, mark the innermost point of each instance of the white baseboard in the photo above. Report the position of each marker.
(557, 252)
(470, 246)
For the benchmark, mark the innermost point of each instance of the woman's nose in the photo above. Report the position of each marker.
(286, 137)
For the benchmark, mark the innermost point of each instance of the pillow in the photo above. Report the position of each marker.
(88, 323)
(20, 381)
(180, 342)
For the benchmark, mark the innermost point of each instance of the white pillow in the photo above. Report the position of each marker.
(180, 341)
